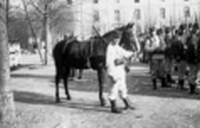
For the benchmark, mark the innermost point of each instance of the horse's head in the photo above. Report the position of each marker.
(128, 39)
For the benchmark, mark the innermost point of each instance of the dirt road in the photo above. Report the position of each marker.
(33, 87)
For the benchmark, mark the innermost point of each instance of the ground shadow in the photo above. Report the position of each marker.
(142, 85)
(28, 66)
(34, 76)
(37, 98)
(33, 98)
(138, 82)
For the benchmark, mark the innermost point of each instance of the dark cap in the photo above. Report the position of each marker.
(182, 27)
(195, 26)
(152, 29)
(167, 30)
(159, 31)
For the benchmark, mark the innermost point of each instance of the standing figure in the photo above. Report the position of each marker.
(180, 55)
(155, 46)
(192, 58)
(116, 58)
(169, 54)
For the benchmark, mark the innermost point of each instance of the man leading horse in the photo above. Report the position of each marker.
(78, 53)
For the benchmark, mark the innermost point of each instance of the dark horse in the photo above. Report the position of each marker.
(87, 54)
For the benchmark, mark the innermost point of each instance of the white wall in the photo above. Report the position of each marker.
(150, 13)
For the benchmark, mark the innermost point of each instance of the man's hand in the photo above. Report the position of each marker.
(134, 57)
(119, 62)
(127, 69)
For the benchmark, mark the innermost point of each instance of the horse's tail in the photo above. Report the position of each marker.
(55, 52)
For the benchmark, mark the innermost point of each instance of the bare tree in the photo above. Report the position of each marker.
(43, 7)
(7, 111)
(33, 32)
(47, 17)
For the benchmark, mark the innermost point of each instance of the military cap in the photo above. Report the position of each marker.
(159, 31)
(182, 27)
(196, 25)
(152, 29)
(167, 29)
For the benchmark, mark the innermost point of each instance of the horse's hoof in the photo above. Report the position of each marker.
(103, 103)
(79, 77)
(58, 101)
(69, 98)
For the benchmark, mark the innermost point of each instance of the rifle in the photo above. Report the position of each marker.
(99, 34)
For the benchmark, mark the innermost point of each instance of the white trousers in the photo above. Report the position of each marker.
(118, 86)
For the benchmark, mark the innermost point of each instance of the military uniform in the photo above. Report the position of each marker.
(180, 56)
(155, 47)
(193, 59)
(169, 55)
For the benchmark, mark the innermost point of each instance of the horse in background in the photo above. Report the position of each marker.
(87, 54)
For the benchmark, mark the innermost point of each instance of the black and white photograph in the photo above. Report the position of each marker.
(99, 63)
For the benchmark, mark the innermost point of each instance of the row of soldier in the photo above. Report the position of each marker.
(180, 45)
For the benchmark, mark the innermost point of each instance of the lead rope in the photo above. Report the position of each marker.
(90, 53)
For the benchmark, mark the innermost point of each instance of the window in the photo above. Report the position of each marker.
(96, 16)
(117, 1)
(95, 1)
(187, 11)
(137, 1)
(137, 14)
(69, 1)
(117, 15)
(162, 13)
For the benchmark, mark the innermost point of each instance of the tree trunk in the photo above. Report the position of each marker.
(32, 31)
(47, 33)
(7, 111)
(45, 23)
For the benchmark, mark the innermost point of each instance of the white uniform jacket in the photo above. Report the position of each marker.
(116, 52)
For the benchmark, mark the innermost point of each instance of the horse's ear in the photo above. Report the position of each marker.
(122, 28)
(130, 25)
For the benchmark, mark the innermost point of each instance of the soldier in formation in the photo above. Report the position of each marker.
(180, 46)
(169, 54)
(193, 57)
(155, 46)
(180, 54)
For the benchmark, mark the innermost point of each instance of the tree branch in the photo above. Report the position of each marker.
(37, 8)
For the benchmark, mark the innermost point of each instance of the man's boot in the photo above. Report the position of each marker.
(128, 104)
(192, 88)
(114, 108)
(164, 83)
(169, 79)
(154, 84)
(181, 84)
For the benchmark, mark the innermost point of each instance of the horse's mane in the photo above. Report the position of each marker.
(112, 32)
(110, 35)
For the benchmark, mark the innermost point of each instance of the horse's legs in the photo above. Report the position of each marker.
(67, 73)
(72, 74)
(101, 79)
(80, 73)
(57, 80)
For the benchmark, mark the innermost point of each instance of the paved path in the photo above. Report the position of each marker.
(33, 87)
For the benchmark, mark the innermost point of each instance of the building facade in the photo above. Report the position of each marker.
(107, 14)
